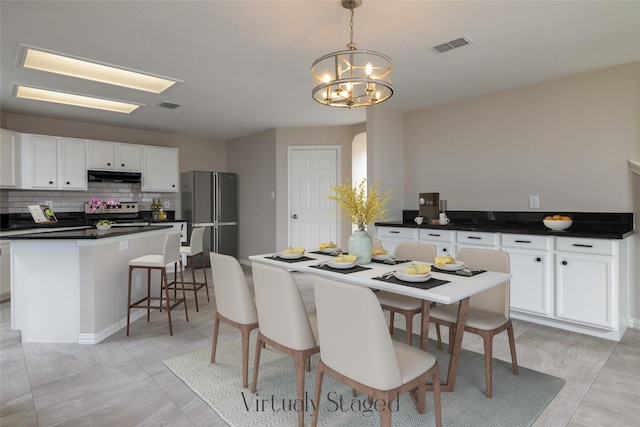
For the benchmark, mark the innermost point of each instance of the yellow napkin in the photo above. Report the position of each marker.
(345, 258)
(379, 251)
(442, 260)
(327, 245)
(293, 251)
(418, 269)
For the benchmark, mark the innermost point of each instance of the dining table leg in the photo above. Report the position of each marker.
(463, 308)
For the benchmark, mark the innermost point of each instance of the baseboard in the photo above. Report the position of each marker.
(634, 323)
(106, 333)
(5, 296)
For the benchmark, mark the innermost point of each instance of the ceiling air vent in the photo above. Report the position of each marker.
(169, 105)
(453, 44)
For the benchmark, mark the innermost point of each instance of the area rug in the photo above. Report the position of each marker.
(517, 400)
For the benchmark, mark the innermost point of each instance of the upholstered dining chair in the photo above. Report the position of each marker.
(170, 255)
(194, 249)
(401, 304)
(369, 362)
(284, 323)
(234, 305)
(488, 313)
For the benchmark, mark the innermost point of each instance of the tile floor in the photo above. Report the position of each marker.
(122, 381)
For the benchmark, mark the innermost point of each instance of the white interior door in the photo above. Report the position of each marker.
(312, 172)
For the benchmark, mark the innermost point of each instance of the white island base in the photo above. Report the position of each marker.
(75, 290)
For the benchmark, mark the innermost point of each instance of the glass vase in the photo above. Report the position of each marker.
(360, 245)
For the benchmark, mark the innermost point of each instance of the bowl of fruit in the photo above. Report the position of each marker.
(557, 222)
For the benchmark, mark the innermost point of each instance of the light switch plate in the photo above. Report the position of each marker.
(534, 202)
(124, 245)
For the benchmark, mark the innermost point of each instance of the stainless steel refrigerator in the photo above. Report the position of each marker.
(210, 199)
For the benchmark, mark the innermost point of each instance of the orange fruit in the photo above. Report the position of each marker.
(548, 217)
(557, 217)
(566, 218)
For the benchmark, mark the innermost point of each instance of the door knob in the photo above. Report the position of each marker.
(294, 216)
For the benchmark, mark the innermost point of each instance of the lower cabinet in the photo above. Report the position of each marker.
(442, 239)
(391, 236)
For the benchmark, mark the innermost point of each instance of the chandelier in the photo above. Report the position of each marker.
(352, 77)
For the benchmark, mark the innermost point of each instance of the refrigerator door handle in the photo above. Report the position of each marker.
(216, 198)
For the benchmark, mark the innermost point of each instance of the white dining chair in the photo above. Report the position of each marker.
(401, 304)
(234, 305)
(488, 313)
(284, 323)
(370, 362)
(170, 255)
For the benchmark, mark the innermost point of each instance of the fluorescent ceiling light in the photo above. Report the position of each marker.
(91, 70)
(73, 99)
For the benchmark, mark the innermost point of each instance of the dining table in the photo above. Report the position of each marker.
(443, 287)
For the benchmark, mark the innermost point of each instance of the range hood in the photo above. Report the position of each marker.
(114, 176)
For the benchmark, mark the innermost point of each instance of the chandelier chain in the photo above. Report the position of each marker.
(351, 24)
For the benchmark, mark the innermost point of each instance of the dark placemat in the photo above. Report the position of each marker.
(431, 283)
(302, 258)
(327, 253)
(353, 269)
(391, 262)
(466, 272)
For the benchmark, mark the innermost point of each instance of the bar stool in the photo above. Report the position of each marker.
(194, 248)
(170, 254)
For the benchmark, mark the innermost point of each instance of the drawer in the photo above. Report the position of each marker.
(585, 246)
(524, 241)
(435, 235)
(473, 238)
(398, 232)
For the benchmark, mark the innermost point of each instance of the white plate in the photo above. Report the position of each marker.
(412, 277)
(290, 256)
(382, 257)
(329, 250)
(459, 265)
(341, 265)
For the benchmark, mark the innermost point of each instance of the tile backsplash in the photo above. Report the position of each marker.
(16, 201)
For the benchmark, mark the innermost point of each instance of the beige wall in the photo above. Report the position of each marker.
(288, 137)
(566, 141)
(253, 158)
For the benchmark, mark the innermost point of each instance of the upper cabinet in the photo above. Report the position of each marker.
(50, 162)
(104, 155)
(9, 159)
(160, 169)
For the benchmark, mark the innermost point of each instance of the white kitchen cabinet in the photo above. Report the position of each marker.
(531, 261)
(5, 270)
(53, 163)
(160, 169)
(473, 239)
(587, 282)
(442, 239)
(104, 155)
(391, 236)
(9, 159)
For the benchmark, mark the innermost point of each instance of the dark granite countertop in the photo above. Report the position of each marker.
(84, 233)
(585, 224)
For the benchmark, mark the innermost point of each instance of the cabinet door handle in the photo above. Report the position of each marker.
(434, 234)
(173, 185)
(108, 164)
(564, 263)
(523, 241)
(394, 232)
(474, 237)
(68, 183)
(539, 259)
(444, 249)
(50, 182)
(580, 245)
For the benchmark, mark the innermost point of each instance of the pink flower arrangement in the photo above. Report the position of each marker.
(96, 204)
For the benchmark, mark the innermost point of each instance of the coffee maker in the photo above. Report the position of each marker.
(429, 205)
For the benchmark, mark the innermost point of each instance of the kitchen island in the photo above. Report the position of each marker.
(70, 286)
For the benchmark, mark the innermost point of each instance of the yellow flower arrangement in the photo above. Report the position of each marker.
(359, 206)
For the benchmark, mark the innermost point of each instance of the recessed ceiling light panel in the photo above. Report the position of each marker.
(47, 95)
(52, 62)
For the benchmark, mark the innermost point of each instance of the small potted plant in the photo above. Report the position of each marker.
(104, 224)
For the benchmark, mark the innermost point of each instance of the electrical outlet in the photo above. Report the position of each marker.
(124, 245)
(166, 204)
(49, 203)
(534, 202)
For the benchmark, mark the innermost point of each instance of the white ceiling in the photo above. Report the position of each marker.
(246, 64)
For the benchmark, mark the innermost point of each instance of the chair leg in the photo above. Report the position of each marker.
(129, 301)
(512, 346)
(214, 342)
(409, 322)
(436, 397)
(256, 363)
(385, 417)
(164, 285)
(316, 398)
(488, 358)
(184, 295)
(149, 295)
(245, 356)
(452, 337)
(204, 271)
(193, 281)
(300, 362)
(391, 320)
(439, 336)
